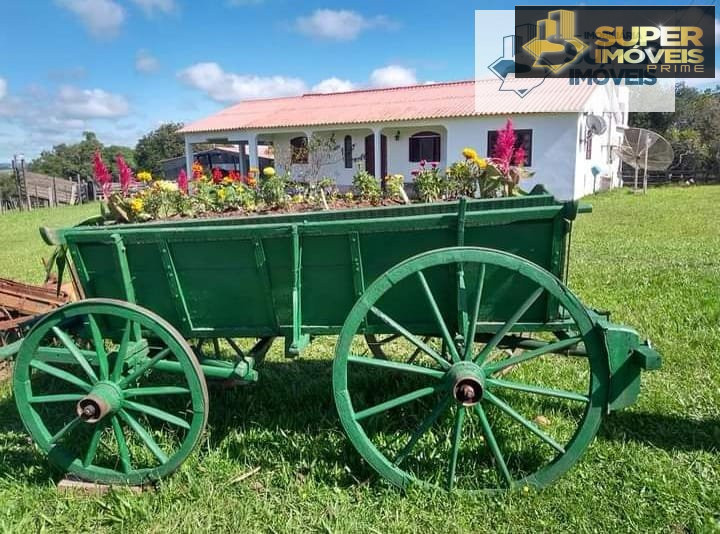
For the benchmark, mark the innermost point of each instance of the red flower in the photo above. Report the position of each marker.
(415, 172)
(126, 174)
(217, 175)
(505, 147)
(197, 170)
(235, 176)
(102, 175)
(434, 164)
(423, 163)
(182, 181)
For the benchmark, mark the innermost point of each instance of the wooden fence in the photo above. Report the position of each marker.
(45, 191)
(670, 176)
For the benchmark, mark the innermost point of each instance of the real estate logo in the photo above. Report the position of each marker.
(623, 43)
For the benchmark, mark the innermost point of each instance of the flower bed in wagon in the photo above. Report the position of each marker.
(213, 193)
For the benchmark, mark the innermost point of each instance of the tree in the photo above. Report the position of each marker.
(162, 143)
(70, 161)
(693, 128)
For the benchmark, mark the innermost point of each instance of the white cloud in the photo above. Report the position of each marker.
(333, 85)
(150, 6)
(229, 87)
(340, 25)
(3, 88)
(146, 62)
(102, 18)
(392, 76)
(77, 103)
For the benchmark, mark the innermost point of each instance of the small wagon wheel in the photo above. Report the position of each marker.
(110, 392)
(461, 424)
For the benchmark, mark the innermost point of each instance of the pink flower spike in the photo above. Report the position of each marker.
(182, 181)
(126, 174)
(434, 164)
(102, 175)
(423, 163)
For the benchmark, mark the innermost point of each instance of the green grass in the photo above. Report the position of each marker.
(22, 249)
(654, 261)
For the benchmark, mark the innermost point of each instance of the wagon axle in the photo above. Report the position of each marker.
(468, 383)
(104, 398)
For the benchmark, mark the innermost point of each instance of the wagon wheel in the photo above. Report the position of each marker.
(381, 346)
(110, 392)
(461, 424)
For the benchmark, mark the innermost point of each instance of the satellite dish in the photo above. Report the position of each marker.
(646, 150)
(596, 124)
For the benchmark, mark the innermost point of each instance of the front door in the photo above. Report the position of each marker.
(370, 155)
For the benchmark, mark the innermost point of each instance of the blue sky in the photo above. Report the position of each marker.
(122, 67)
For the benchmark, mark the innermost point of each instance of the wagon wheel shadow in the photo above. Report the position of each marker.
(668, 432)
(288, 416)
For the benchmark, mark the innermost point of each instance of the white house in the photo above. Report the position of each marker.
(389, 131)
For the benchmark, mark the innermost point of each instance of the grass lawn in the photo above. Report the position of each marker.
(654, 261)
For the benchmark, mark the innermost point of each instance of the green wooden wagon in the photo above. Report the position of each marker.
(462, 359)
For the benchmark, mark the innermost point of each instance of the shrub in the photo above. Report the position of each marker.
(272, 189)
(429, 184)
(367, 187)
(394, 187)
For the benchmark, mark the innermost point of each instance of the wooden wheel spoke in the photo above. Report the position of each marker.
(93, 446)
(410, 337)
(122, 351)
(438, 317)
(394, 403)
(144, 366)
(75, 352)
(472, 324)
(397, 366)
(123, 450)
(61, 374)
(462, 310)
(64, 430)
(532, 427)
(155, 390)
(538, 390)
(157, 413)
(59, 397)
(99, 343)
(505, 328)
(557, 346)
(455, 446)
(493, 446)
(424, 426)
(417, 351)
(145, 436)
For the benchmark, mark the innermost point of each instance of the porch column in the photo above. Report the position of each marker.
(241, 156)
(188, 156)
(378, 155)
(252, 142)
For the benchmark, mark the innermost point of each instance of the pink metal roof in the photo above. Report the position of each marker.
(441, 100)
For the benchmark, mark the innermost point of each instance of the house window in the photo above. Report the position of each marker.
(523, 139)
(347, 152)
(425, 146)
(298, 145)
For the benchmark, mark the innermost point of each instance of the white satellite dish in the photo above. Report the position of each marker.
(596, 124)
(646, 150)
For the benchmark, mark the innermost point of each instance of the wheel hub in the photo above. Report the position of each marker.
(467, 383)
(104, 398)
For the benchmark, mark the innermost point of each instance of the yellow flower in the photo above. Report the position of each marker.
(137, 204)
(480, 162)
(268, 172)
(164, 185)
(469, 153)
(144, 176)
(221, 194)
(227, 180)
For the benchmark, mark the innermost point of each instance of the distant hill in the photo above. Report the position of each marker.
(5, 166)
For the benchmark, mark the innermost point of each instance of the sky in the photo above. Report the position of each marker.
(123, 67)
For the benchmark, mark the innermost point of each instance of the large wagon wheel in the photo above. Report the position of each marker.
(460, 424)
(110, 392)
